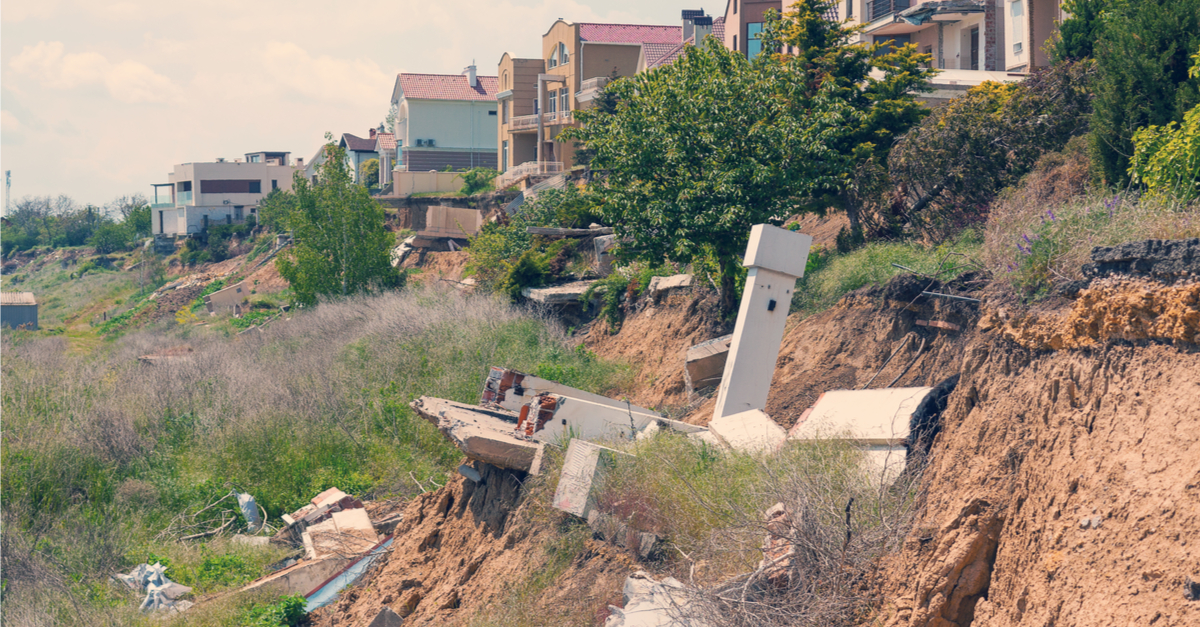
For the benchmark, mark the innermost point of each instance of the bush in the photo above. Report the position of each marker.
(477, 181)
(288, 611)
(950, 167)
(1167, 159)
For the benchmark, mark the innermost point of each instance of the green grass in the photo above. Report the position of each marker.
(99, 457)
(831, 275)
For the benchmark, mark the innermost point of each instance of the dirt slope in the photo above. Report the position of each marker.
(464, 548)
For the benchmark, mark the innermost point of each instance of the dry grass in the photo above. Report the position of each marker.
(1040, 232)
(101, 452)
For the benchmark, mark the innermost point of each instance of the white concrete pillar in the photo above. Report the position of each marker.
(775, 259)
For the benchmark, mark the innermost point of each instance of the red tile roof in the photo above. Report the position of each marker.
(358, 144)
(658, 55)
(655, 53)
(630, 33)
(719, 28)
(447, 87)
(386, 141)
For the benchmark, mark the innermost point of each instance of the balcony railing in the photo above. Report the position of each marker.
(525, 122)
(183, 198)
(529, 168)
(881, 8)
(594, 83)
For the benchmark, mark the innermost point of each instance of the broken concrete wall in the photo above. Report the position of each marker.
(584, 468)
(453, 222)
(511, 390)
(704, 363)
(228, 298)
(486, 435)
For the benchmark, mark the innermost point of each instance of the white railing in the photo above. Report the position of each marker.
(593, 83)
(523, 122)
(527, 169)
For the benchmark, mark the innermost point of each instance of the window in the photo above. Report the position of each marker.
(184, 186)
(504, 116)
(274, 184)
(849, 8)
(536, 109)
(563, 56)
(553, 62)
(564, 103)
(551, 103)
(255, 187)
(491, 113)
(735, 3)
(1017, 11)
(504, 156)
(735, 36)
(929, 51)
(255, 159)
(754, 39)
(230, 187)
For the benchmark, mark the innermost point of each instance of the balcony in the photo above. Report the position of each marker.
(183, 198)
(589, 88)
(883, 8)
(527, 169)
(528, 122)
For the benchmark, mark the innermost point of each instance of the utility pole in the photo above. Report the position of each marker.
(7, 191)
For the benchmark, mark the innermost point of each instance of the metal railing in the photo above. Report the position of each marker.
(527, 169)
(881, 8)
(522, 122)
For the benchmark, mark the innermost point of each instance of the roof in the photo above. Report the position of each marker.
(358, 144)
(655, 53)
(630, 33)
(17, 298)
(385, 141)
(447, 87)
(692, 13)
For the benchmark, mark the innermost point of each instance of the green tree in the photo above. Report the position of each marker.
(825, 51)
(1166, 159)
(342, 245)
(700, 150)
(110, 237)
(1077, 34)
(477, 180)
(1142, 50)
(369, 171)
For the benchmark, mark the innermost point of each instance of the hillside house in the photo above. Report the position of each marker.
(18, 310)
(445, 120)
(696, 27)
(385, 147)
(220, 192)
(358, 151)
(537, 96)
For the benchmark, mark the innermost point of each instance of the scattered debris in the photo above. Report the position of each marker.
(511, 390)
(239, 538)
(603, 247)
(650, 603)
(1091, 522)
(750, 431)
(1191, 589)
(778, 547)
(386, 618)
(486, 435)
(939, 324)
(705, 362)
(583, 471)
(951, 297)
(249, 508)
(564, 294)
(660, 284)
(161, 592)
(210, 520)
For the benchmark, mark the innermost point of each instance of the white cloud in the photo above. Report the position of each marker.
(127, 81)
(325, 78)
(21, 10)
(11, 128)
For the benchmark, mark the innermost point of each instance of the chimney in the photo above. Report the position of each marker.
(299, 162)
(372, 135)
(689, 22)
(703, 27)
(470, 72)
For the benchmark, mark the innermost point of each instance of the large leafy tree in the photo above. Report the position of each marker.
(699, 151)
(342, 246)
(878, 80)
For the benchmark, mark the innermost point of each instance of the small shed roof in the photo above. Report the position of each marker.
(17, 298)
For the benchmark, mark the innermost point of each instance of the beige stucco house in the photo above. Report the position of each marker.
(220, 192)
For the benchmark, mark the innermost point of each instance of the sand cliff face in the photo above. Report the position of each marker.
(1064, 489)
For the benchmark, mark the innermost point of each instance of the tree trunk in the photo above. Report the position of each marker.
(729, 303)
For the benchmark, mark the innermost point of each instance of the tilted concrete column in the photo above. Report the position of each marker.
(775, 258)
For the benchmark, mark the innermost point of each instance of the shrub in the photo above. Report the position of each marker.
(110, 237)
(477, 181)
(950, 167)
(1167, 159)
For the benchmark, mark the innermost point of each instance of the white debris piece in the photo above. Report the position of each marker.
(650, 603)
(161, 592)
(749, 432)
(583, 470)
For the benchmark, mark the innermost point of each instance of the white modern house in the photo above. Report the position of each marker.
(198, 195)
(445, 120)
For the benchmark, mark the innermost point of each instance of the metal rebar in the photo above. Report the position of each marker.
(951, 297)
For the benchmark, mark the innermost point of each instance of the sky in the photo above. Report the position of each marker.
(102, 98)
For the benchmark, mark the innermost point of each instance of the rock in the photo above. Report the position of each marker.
(1191, 590)
(386, 618)
(1165, 260)
(654, 604)
(661, 284)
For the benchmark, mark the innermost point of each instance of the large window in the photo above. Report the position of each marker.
(564, 57)
(754, 39)
(1017, 11)
(564, 103)
(231, 187)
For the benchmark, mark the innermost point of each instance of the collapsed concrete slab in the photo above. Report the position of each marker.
(749, 432)
(881, 421)
(582, 477)
(604, 246)
(511, 390)
(345, 534)
(704, 363)
(565, 294)
(660, 284)
(303, 577)
(482, 434)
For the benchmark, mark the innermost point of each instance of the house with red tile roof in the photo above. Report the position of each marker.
(445, 120)
(697, 27)
(537, 96)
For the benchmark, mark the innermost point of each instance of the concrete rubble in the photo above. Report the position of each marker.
(778, 547)
(880, 421)
(603, 247)
(704, 363)
(582, 477)
(752, 432)
(649, 603)
(161, 592)
(482, 434)
(661, 284)
(564, 294)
